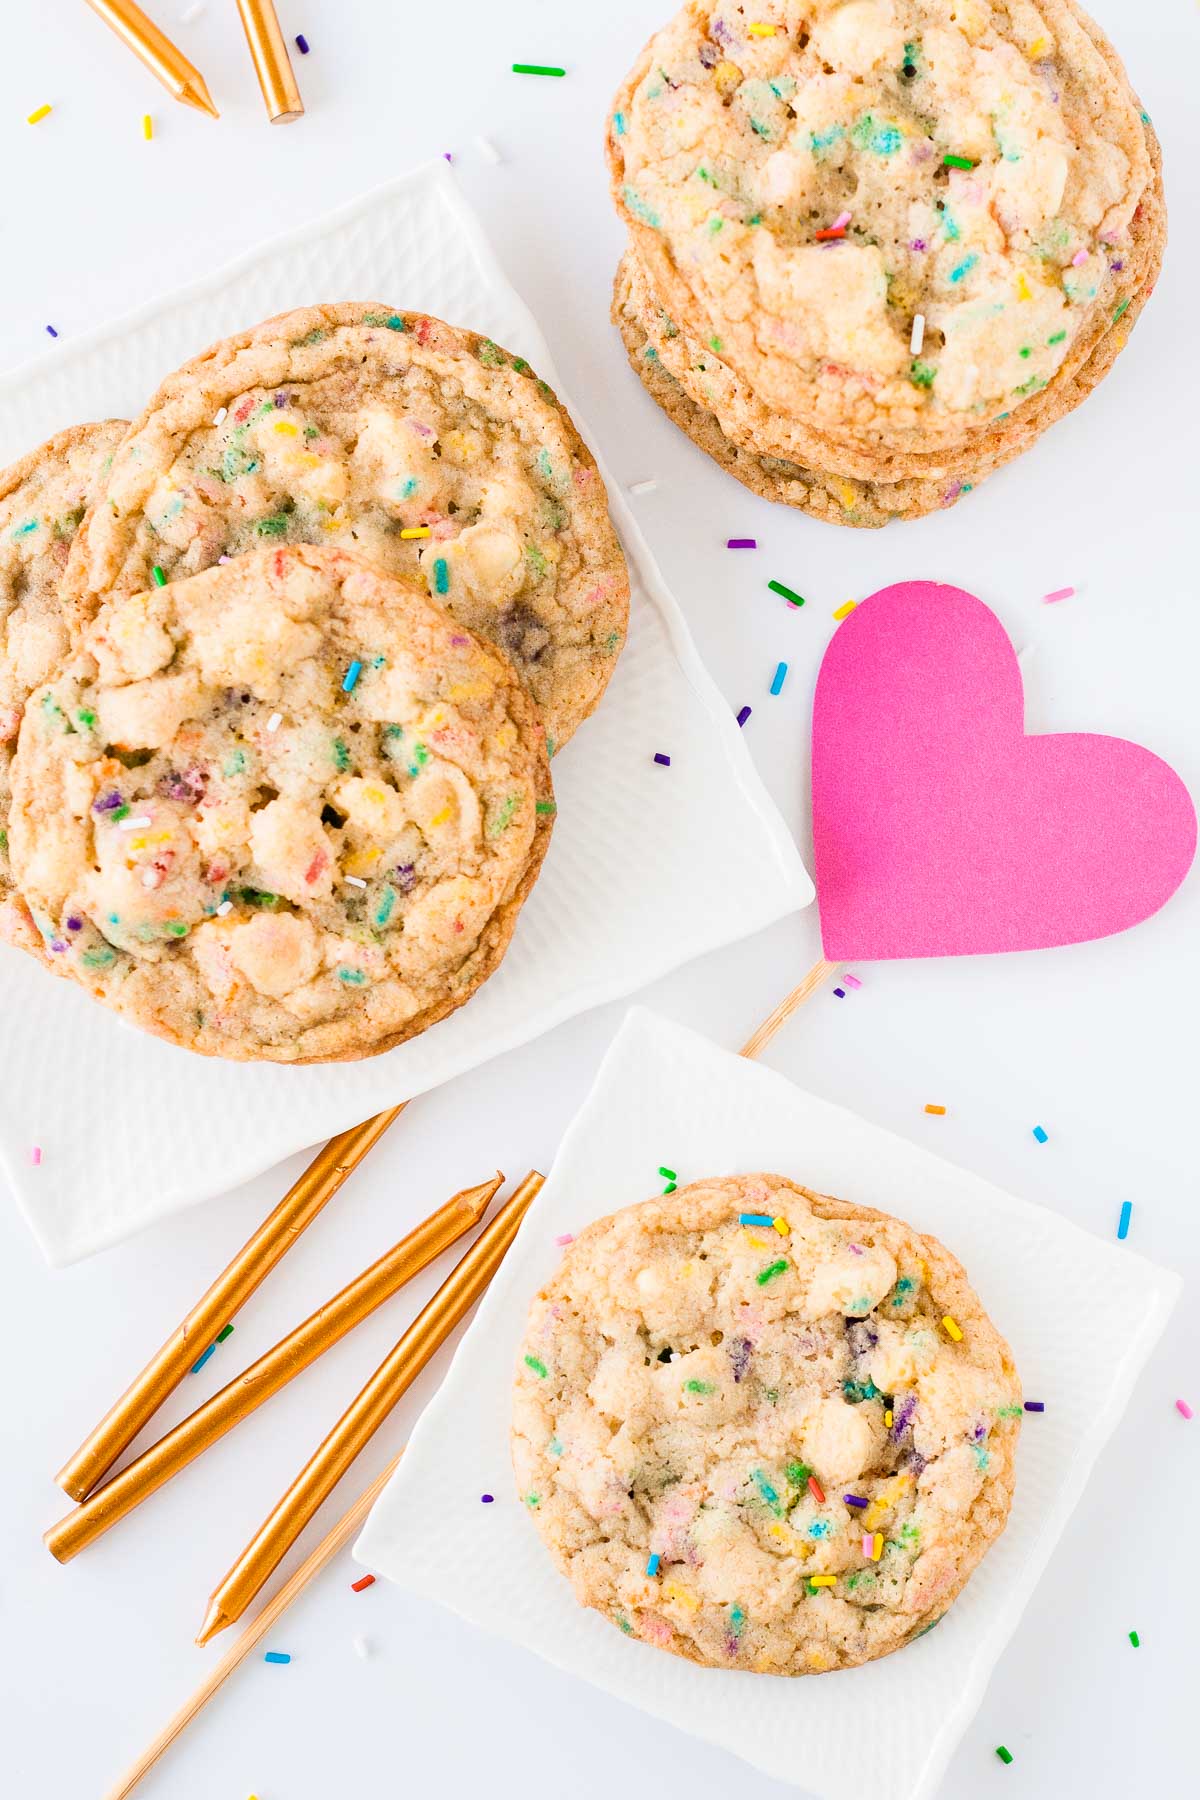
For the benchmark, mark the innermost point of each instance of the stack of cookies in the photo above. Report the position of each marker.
(876, 247)
(282, 667)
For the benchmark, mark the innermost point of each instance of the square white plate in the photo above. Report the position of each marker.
(1081, 1315)
(648, 866)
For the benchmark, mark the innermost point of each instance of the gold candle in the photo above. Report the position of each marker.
(272, 64)
(156, 50)
(252, 1264)
(274, 1370)
(367, 1412)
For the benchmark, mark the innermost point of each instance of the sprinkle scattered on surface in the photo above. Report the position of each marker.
(351, 676)
(226, 906)
(918, 335)
(134, 824)
(1035, 1406)
(744, 714)
(844, 611)
(147, 126)
(642, 487)
(952, 1329)
(355, 881)
(1004, 1755)
(935, 1109)
(757, 30)
(275, 721)
(160, 579)
(486, 1499)
(50, 331)
(820, 1581)
(852, 981)
(364, 1581)
(855, 1500)
(1040, 1134)
(1059, 594)
(36, 117)
(663, 761)
(415, 531)
(950, 161)
(668, 1174)
(1182, 1407)
(782, 1227)
(277, 1656)
(35, 1155)
(792, 598)
(741, 543)
(752, 1218)
(814, 1488)
(1134, 1639)
(537, 1365)
(652, 1565)
(536, 69)
(839, 993)
(876, 1546)
(564, 1238)
(779, 677)
(1123, 1221)
(488, 150)
(200, 1361)
(225, 1331)
(302, 43)
(219, 415)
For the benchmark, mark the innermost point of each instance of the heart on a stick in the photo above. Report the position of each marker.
(940, 828)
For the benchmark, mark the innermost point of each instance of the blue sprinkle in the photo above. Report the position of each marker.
(441, 576)
(52, 331)
(1035, 1406)
(743, 715)
(964, 267)
(1039, 1134)
(351, 676)
(755, 1219)
(779, 678)
(302, 43)
(839, 993)
(652, 1565)
(197, 1366)
(277, 1656)
(1123, 1222)
(663, 761)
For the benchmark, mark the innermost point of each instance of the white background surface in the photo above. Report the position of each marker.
(1096, 1043)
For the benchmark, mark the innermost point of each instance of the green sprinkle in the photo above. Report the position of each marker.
(520, 365)
(536, 69)
(771, 1271)
(699, 1387)
(555, 1447)
(1004, 1755)
(315, 336)
(1134, 1639)
(1025, 351)
(117, 814)
(420, 757)
(383, 911)
(86, 717)
(341, 755)
(1122, 308)
(957, 162)
(160, 579)
(623, 1622)
(236, 764)
(441, 576)
(225, 1331)
(177, 928)
(537, 1365)
(533, 1499)
(53, 714)
(668, 1174)
(275, 526)
(100, 956)
(715, 343)
(922, 374)
(548, 807)
(536, 561)
(258, 897)
(792, 598)
(798, 1474)
(1057, 338)
(715, 224)
(490, 355)
(352, 977)
(392, 321)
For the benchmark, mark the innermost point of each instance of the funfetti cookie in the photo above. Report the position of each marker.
(42, 501)
(429, 450)
(764, 1429)
(286, 809)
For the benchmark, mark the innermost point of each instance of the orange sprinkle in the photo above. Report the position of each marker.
(935, 1109)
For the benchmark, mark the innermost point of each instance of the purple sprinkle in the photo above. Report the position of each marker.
(855, 1249)
(665, 761)
(855, 1500)
(917, 244)
(1116, 267)
(1035, 1406)
(743, 715)
(739, 1356)
(902, 1415)
(980, 1432)
(74, 924)
(731, 1645)
(52, 331)
(58, 944)
(839, 993)
(741, 543)
(405, 877)
(487, 1499)
(302, 43)
(109, 803)
(281, 401)
(446, 154)
(458, 640)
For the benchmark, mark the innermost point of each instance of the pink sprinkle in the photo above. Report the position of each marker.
(851, 981)
(856, 1249)
(1181, 1406)
(566, 1238)
(841, 222)
(35, 1157)
(867, 1544)
(1080, 256)
(1059, 594)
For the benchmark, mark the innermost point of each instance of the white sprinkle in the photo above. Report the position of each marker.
(226, 906)
(219, 416)
(275, 721)
(488, 150)
(918, 334)
(151, 878)
(643, 487)
(362, 1648)
(192, 13)
(355, 881)
(134, 824)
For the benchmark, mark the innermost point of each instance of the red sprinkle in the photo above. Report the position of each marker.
(832, 231)
(814, 1488)
(365, 1581)
(319, 862)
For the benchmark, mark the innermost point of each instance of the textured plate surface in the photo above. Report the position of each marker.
(1081, 1315)
(125, 1123)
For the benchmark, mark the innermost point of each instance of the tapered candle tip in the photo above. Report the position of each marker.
(214, 1620)
(195, 93)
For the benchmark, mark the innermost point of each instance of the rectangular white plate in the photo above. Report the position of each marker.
(1081, 1315)
(648, 867)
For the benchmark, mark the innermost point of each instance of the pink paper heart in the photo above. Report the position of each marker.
(940, 828)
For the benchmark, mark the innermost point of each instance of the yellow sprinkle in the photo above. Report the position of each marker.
(951, 1329)
(470, 690)
(301, 459)
(874, 1514)
(147, 127)
(761, 30)
(673, 1591)
(285, 428)
(935, 1109)
(1024, 291)
(888, 1416)
(1037, 46)
(137, 843)
(440, 818)
(415, 531)
(759, 1243)
(727, 78)
(35, 118)
(877, 1546)
(843, 612)
(846, 495)
(781, 1226)
(822, 1581)
(816, 1660)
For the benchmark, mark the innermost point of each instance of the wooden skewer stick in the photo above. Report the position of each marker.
(232, 1288)
(758, 1040)
(273, 1370)
(336, 1538)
